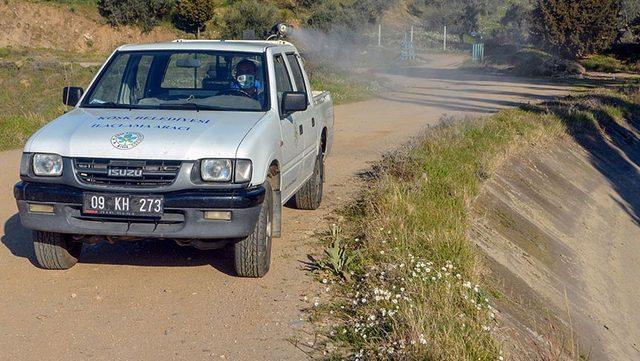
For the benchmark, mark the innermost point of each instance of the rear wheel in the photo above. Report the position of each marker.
(309, 197)
(252, 255)
(55, 251)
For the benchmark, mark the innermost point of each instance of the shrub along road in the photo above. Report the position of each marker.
(155, 300)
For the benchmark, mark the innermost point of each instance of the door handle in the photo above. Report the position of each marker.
(313, 122)
(301, 130)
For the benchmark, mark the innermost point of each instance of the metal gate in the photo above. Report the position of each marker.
(478, 53)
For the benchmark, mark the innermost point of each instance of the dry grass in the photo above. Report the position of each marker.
(416, 289)
(34, 96)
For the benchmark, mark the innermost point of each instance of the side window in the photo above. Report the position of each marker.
(296, 69)
(283, 82)
(109, 85)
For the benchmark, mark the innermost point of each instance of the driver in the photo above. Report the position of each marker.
(246, 78)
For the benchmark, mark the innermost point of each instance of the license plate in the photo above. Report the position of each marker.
(122, 205)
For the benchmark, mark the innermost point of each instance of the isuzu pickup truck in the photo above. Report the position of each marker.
(202, 142)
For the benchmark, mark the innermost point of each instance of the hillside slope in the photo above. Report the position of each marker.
(37, 25)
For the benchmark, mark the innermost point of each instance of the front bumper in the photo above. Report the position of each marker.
(183, 213)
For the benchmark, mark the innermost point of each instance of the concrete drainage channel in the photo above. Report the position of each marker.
(561, 238)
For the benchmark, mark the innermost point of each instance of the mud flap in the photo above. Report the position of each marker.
(277, 214)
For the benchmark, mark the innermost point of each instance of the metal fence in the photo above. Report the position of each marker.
(477, 54)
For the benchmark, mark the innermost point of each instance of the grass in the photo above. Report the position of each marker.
(20, 53)
(34, 96)
(345, 87)
(605, 64)
(415, 289)
(414, 292)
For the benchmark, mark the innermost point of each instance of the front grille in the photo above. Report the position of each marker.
(154, 173)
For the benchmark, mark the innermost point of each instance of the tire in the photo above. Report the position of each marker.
(252, 255)
(309, 197)
(54, 250)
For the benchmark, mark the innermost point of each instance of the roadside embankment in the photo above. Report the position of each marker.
(559, 224)
(26, 24)
(546, 192)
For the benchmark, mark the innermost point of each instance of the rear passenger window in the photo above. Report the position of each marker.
(296, 69)
(283, 82)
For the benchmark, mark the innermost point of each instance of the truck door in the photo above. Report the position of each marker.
(307, 120)
(293, 142)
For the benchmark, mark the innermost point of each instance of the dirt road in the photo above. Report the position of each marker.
(157, 301)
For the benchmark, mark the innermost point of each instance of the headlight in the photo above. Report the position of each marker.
(216, 170)
(243, 171)
(47, 165)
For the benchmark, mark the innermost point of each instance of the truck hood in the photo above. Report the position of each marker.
(144, 134)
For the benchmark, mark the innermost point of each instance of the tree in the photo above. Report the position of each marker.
(461, 17)
(629, 21)
(330, 15)
(192, 15)
(250, 15)
(143, 13)
(514, 25)
(575, 28)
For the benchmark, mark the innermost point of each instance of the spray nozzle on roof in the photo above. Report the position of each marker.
(279, 31)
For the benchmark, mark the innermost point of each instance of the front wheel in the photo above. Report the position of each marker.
(55, 251)
(252, 255)
(309, 197)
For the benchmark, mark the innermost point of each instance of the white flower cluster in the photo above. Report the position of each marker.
(383, 291)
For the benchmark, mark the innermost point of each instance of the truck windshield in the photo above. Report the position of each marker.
(194, 80)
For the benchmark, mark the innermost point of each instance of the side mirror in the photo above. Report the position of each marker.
(293, 102)
(71, 95)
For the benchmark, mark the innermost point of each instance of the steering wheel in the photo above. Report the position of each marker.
(236, 92)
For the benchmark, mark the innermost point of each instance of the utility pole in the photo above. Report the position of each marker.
(380, 35)
(445, 38)
(412, 34)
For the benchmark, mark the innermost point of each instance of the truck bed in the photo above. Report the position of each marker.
(320, 97)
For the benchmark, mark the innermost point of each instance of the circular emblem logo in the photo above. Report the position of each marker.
(126, 140)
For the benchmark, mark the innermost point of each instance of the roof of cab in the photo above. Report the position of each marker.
(250, 46)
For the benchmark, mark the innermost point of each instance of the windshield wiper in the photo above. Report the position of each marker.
(188, 105)
(109, 105)
(104, 105)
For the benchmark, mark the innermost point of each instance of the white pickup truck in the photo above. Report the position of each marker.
(202, 142)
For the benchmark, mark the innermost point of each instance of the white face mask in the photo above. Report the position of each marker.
(246, 81)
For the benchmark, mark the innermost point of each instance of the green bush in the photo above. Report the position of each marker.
(514, 25)
(192, 15)
(143, 13)
(331, 14)
(603, 63)
(249, 15)
(575, 29)
(532, 62)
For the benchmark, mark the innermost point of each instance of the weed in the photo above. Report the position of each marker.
(337, 260)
